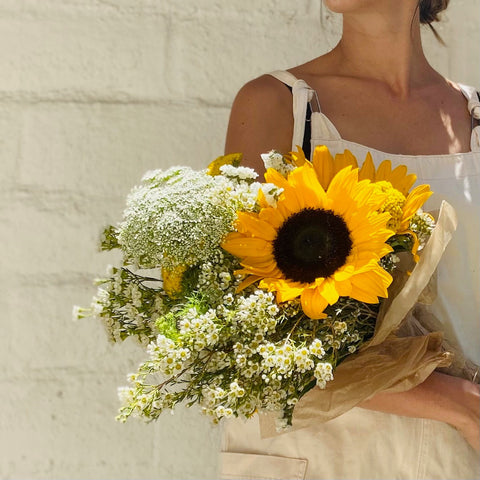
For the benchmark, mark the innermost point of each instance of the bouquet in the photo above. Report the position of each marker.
(249, 296)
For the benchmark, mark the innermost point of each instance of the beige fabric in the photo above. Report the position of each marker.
(255, 466)
(362, 444)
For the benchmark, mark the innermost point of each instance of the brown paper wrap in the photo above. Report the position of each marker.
(388, 362)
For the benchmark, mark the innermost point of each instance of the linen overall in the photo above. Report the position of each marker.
(364, 444)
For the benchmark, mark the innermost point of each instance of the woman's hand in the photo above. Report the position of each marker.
(469, 426)
(440, 397)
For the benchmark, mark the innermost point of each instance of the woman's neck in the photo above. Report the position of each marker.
(384, 45)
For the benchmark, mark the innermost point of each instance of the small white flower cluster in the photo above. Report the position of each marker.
(422, 224)
(323, 373)
(276, 161)
(284, 360)
(255, 313)
(200, 330)
(169, 220)
(341, 337)
(240, 173)
(271, 193)
(166, 357)
(125, 307)
(236, 193)
(216, 277)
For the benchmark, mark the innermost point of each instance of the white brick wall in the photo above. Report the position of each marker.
(92, 94)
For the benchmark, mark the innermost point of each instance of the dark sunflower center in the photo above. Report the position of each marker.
(310, 244)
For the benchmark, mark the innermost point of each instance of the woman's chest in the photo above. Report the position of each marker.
(433, 123)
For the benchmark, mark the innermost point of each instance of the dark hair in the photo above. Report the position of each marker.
(429, 11)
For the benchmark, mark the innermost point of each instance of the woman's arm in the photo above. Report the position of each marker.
(440, 397)
(261, 120)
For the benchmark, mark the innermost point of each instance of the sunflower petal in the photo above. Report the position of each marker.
(285, 290)
(344, 288)
(343, 183)
(328, 291)
(345, 159)
(368, 286)
(368, 169)
(313, 304)
(401, 180)
(384, 171)
(250, 223)
(250, 280)
(310, 192)
(255, 266)
(272, 216)
(416, 198)
(298, 157)
(245, 246)
(272, 176)
(261, 199)
(323, 164)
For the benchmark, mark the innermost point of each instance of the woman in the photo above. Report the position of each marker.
(376, 92)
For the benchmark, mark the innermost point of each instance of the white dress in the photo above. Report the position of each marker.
(364, 444)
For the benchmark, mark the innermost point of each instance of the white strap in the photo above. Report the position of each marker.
(285, 77)
(474, 107)
(473, 101)
(475, 141)
(302, 94)
(470, 93)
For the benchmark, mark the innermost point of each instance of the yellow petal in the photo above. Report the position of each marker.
(265, 267)
(313, 304)
(244, 246)
(298, 157)
(322, 161)
(415, 199)
(255, 227)
(261, 200)
(328, 291)
(384, 171)
(368, 169)
(285, 289)
(367, 287)
(415, 246)
(344, 288)
(272, 176)
(342, 184)
(310, 192)
(401, 180)
(345, 159)
(247, 282)
(272, 216)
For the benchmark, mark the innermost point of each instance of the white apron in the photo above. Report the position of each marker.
(364, 444)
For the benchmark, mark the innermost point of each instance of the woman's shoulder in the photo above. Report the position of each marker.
(264, 90)
(272, 88)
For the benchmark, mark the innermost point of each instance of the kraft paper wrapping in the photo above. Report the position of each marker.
(387, 362)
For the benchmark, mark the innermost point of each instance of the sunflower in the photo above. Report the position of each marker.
(401, 202)
(315, 244)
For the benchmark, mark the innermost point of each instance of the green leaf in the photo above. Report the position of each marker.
(109, 238)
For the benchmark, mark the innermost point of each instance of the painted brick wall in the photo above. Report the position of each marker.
(92, 94)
